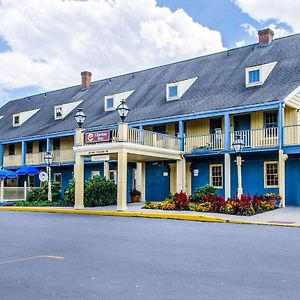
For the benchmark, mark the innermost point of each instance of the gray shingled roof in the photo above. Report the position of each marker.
(220, 84)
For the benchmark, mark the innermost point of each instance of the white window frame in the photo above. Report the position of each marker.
(211, 166)
(55, 112)
(265, 174)
(114, 173)
(14, 121)
(248, 70)
(57, 174)
(95, 173)
(105, 103)
(169, 85)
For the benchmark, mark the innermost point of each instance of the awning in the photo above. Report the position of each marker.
(7, 174)
(28, 171)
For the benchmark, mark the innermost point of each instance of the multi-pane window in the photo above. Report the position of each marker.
(58, 112)
(56, 144)
(215, 124)
(254, 76)
(16, 120)
(113, 175)
(271, 174)
(216, 175)
(271, 119)
(58, 177)
(109, 103)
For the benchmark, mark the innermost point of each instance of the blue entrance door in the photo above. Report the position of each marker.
(157, 182)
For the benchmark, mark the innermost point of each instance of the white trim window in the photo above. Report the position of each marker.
(58, 112)
(109, 103)
(172, 91)
(271, 174)
(57, 177)
(113, 176)
(216, 175)
(16, 120)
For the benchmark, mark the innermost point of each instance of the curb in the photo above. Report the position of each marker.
(184, 217)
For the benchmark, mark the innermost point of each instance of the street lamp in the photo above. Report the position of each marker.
(238, 146)
(49, 160)
(123, 110)
(80, 117)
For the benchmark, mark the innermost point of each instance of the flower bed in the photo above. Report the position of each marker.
(207, 201)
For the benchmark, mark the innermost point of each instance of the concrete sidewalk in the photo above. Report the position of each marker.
(288, 216)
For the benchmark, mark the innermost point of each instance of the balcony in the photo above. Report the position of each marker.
(12, 160)
(145, 138)
(213, 141)
(60, 156)
(292, 135)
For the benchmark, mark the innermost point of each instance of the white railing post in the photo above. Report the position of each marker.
(25, 190)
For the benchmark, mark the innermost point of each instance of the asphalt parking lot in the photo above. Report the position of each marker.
(57, 256)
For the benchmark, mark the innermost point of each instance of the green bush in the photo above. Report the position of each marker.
(41, 193)
(206, 190)
(97, 192)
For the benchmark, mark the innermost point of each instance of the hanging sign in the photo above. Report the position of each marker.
(43, 176)
(97, 137)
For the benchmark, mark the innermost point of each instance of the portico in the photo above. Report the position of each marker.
(128, 145)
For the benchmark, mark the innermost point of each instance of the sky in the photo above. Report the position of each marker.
(45, 44)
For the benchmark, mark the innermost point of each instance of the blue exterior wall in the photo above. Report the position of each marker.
(202, 164)
(292, 181)
(157, 185)
(252, 173)
(88, 168)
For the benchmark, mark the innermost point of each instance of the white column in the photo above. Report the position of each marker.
(122, 132)
(227, 174)
(188, 175)
(122, 181)
(2, 190)
(140, 179)
(239, 174)
(281, 175)
(25, 190)
(180, 175)
(106, 170)
(79, 181)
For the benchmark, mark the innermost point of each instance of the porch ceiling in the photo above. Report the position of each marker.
(136, 152)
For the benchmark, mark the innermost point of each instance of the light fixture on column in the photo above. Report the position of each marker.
(80, 117)
(123, 110)
(238, 146)
(49, 160)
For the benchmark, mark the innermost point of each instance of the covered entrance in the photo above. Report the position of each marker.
(128, 145)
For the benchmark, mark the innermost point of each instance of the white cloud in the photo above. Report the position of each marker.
(267, 10)
(241, 43)
(250, 29)
(53, 41)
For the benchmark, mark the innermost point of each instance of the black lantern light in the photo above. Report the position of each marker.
(80, 117)
(123, 110)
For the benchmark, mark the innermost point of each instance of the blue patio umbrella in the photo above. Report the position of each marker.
(28, 171)
(7, 174)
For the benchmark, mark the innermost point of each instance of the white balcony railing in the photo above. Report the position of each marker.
(60, 156)
(292, 135)
(12, 160)
(254, 138)
(35, 158)
(213, 141)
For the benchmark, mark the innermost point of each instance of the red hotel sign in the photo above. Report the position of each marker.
(97, 137)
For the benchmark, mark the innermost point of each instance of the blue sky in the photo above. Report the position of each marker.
(114, 37)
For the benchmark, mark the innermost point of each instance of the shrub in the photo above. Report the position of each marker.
(182, 201)
(203, 191)
(41, 193)
(97, 192)
(168, 205)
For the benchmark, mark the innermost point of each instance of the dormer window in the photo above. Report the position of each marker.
(172, 91)
(16, 120)
(254, 76)
(257, 75)
(175, 90)
(58, 112)
(109, 103)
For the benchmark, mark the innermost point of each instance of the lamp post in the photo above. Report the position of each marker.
(238, 146)
(49, 160)
(80, 117)
(123, 110)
